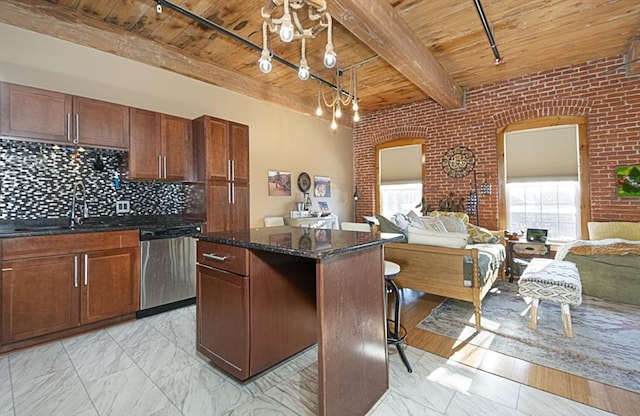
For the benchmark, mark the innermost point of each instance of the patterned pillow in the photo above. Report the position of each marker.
(415, 219)
(461, 215)
(481, 235)
(434, 224)
(402, 221)
(453, 224)
(385, 225)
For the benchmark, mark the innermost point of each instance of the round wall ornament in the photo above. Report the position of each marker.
(458, 161)
(304, 182)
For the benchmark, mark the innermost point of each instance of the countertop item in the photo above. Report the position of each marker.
(301, 242)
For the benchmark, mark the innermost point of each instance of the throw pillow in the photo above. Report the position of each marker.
(434, 224)
(402, 221)
(415, 219)
(481, 235)
(461, 215)
(418, 235)
(385, 225)
(453, 224)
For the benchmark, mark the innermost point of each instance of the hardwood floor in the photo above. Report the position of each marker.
(417, 305)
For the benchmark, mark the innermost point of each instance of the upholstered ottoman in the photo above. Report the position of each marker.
(558, 281)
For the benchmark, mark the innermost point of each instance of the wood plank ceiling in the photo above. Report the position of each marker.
(413, 50)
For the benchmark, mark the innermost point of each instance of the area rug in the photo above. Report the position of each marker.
(605, 346)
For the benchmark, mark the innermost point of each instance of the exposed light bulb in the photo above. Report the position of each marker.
(330, 58)
(356, 117)
(265, 62)
(334, 125)
(286, 28)
(355, 106)
(338, 111)
(303, 73)
(319, 111)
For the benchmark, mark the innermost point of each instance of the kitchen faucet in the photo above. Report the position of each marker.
(85, 210)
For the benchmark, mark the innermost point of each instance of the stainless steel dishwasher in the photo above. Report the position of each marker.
(167, 268)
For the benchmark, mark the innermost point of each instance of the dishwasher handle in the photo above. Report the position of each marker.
(213, 256)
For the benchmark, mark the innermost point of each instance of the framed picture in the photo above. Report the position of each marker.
(279, 183)
(321, 186)
(628, 180)
(324, 207)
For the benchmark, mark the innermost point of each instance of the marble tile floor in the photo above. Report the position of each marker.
(150, 367)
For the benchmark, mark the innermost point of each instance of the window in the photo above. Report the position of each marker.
(400, 198)
(551, 205)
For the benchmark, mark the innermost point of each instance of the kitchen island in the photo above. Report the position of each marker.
(266, 294)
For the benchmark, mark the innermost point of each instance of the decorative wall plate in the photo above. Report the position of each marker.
(458, 162)
(304, 182)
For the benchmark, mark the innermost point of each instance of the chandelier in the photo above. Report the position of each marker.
(339, 97)
(290, 27)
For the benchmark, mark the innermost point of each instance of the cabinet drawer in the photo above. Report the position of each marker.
(533, 248)
(230, 258)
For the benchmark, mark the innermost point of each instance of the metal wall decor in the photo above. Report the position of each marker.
(458, 161)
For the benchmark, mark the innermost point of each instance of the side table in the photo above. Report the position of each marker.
(524, 250)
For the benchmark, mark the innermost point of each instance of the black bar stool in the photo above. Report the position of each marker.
(396, 333)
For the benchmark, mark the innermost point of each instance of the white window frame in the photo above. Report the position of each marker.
(408, 195)
(554, 226)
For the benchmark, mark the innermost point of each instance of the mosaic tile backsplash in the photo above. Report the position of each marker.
(37, 181)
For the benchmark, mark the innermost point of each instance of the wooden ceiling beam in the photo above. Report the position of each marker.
(69, 25)
(378, 25)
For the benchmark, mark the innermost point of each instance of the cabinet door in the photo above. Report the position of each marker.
(239, 142)
(39, 296)
(218, 156)
(176, 138)
(101, 124)
(110, 284)
(146, 145)
(222, 311)
(35, 114)
(240, 206)
(218, 206)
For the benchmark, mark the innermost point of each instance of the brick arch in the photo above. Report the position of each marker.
(398, 133)
(364, 153)
(565, 107)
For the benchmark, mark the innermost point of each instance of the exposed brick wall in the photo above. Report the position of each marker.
(607, 98)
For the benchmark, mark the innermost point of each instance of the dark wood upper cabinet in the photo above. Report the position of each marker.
(160, 146)
(34, 114)
(221, 165)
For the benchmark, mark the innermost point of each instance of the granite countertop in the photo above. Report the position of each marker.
(301, 242)
(43, 227)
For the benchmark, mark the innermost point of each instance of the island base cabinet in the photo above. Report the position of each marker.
(254, 309)
(222, 303)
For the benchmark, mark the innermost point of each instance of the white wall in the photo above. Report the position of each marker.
(280, 139)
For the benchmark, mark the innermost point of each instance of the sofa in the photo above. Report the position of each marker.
(608, 262)
(445, 255)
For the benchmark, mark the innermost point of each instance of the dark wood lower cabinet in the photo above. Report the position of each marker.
(38, 297)
(223, 319)
(45, 290)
